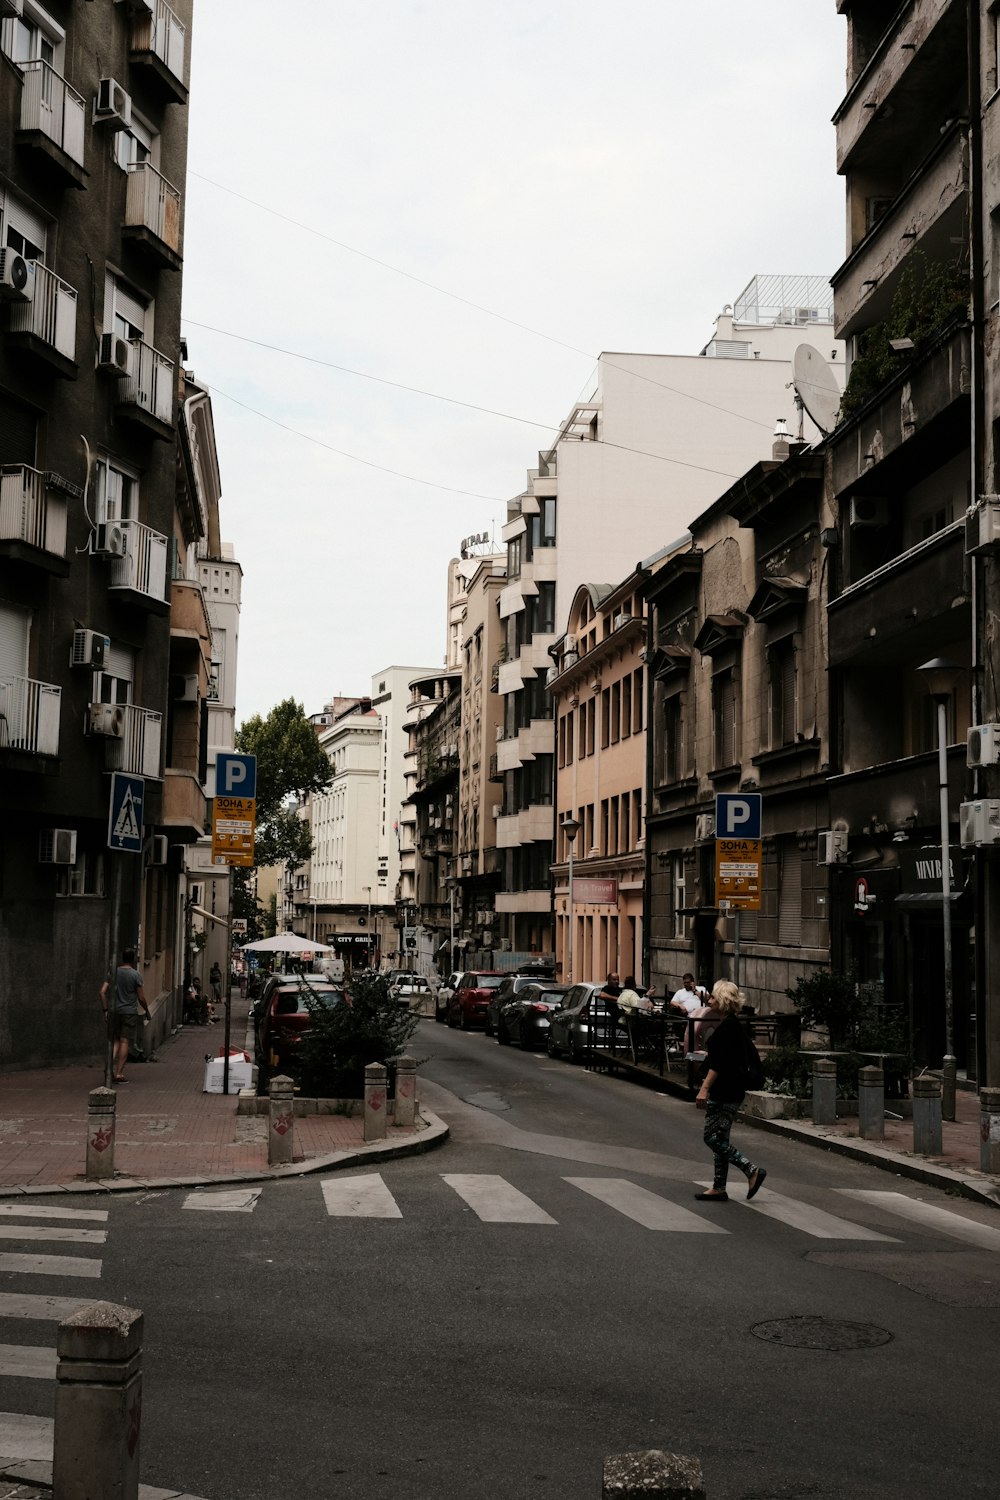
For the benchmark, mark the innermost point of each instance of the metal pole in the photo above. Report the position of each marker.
(451, 924)
(736, 947)
(950, 1065)
(227, 981)
(371, 949)
(569, 904)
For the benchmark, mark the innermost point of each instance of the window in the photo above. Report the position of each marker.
(626, 707)
(588, 826)
(582, 747)
(790, 895)
(781, 691)
(591, 724)
(33, 37)
(21, 229)
(116, 491)
(113, 684)
(545, 608)
(637, 829)
(136, 144)
(724, 709)
(14, 624)
(605, 828)
(616, 712)
(562, 743)
(605, 718)
(125, 312)
(514, 558)
(625, 842)
(17, 432)
(637, 700)
(673, 739)
(678, 895)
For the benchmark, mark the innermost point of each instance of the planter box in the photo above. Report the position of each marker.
(250, 1103)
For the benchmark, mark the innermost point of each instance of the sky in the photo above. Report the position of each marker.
(471, 199)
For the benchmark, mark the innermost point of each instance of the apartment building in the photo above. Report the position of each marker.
(95, 531)
(434, 724)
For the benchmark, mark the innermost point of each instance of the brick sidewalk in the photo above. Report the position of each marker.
(167, 1128)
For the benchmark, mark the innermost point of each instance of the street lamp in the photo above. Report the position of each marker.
(570, 827)
(369, 923)
(941, 676)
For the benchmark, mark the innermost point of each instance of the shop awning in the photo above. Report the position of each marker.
(926, 898)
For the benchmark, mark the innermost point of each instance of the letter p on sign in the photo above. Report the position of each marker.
(235, 775)
(738, 816)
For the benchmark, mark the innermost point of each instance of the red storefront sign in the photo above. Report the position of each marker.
(590, 892)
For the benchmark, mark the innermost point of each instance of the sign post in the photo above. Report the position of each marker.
(125, 823)
(234, 818)
(738, 859)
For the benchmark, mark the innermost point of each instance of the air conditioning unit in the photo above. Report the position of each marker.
(89, 648)
(184, 689)
(982, 524)
(869, 510)
(108, 539)
(116, 354)
(979, 823)
(57, 846)
(832, 846)
(106, 718)
(569, 645)
(983, 745)
(505, 945)
(112, 102)
(704, 827)
(17, 277)
(498, 809)
(159, 848)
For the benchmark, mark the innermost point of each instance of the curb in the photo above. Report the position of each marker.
(37, 1473)
(435, 1133)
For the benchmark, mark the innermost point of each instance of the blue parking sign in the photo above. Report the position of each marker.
(125, 813)
(235, 775)
(738, 815)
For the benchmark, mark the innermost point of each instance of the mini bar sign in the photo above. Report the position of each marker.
(921, 869)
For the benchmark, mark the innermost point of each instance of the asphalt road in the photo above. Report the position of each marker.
(493, 1318)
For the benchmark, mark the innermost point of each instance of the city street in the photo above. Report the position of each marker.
(493, 1318)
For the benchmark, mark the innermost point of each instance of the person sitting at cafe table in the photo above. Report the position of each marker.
(630, 1001)
(690, 997)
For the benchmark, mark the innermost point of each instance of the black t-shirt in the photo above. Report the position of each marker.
(726, 1055)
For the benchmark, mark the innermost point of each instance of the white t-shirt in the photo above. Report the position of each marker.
(689, 999)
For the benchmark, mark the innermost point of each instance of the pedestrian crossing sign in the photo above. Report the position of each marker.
(125, 813)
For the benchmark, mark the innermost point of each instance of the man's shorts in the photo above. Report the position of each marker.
(125, 1027)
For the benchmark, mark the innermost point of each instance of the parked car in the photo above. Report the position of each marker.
(467, 1007)
(570, 1025)
(512, 984)
(525, 1019)
(411, 990)
(268, 983)
(286, 1017)
(444, 996)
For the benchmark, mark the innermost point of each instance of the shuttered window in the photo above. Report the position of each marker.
(724, 737)
(114, 683)
(781, 671)
(17, 432)
(124, 312)
(21, 228)
(790, 896)
(13, 642)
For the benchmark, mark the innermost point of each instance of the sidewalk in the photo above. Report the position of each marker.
(169, 1133)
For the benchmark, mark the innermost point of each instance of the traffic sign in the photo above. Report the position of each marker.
(737, 874)
(125, 813)
(233, 823)
(235, 775)
(738, 815)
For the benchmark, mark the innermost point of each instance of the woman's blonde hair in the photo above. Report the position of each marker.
(729, 997)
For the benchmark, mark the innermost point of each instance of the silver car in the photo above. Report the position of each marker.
(569, 1027)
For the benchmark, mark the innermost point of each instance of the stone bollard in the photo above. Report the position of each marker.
(927, 1115)
(653, 1476)
(871, 1104)
(376, 1100)
(989, 1130)
(98, 1407)
(406, 1091)
(824, 1100)
(101, 1105)
(281, 1124)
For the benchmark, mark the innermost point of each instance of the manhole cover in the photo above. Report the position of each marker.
(831, 1334)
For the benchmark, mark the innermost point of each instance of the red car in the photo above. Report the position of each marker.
(467, 1007)
(285, 1017)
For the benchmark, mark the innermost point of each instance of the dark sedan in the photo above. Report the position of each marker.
(570, 1026)
(512, 985)
(525, 1019)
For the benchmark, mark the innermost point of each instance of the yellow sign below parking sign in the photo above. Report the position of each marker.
(233, 823)
(737, 873)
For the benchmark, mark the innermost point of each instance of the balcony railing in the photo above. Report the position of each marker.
(143, 569)
(153, 203)
(51, 313)
(49, 104)
(161, 32)
(31, 512)
(29, 716)
(149, 385)
(138, 750)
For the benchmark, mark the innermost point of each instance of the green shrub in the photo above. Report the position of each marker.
(343, 1039)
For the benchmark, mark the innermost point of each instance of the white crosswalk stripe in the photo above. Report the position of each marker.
(52, 1234)
(807, 1218)
(35, 1211)
(50, 1265)
(27, 1361)
(495, 1201)
(49, 1309)
(229, 1201)
(929, 1216)
(364, 1197)
(644, 1207)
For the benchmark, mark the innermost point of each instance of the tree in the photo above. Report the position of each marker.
(290, 763)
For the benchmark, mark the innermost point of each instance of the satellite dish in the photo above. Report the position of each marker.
(816, 387)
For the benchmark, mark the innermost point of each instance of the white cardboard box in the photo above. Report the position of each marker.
(240, 1075)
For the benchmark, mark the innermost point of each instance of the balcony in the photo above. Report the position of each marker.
(137, 751)
(900, 612)
(32, 519)
(153, 216)
(146, 394)
(189, 618)
(524, 827)
(46, 326)
(52, 121)
(29, 720)
(185, 807)
(157, 46)
(142, 572)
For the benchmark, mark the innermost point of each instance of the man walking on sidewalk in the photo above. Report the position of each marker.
(121, 999)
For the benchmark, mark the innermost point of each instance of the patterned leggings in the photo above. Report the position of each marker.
(718, 1123)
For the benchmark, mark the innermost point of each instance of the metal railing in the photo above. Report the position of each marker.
(29, 511)
(51, 313)
(29, 715)
(138, 749)
(144, 565)
(153, 203)
(149, 383)
(49, 104)
(161, 31)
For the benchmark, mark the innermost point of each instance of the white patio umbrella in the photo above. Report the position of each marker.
(286, 942)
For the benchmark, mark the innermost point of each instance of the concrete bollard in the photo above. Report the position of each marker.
(406, 1091)
(653, 1475)
(989, 1130)
(927, 1115)
(101, 1104)
(376, 1101)
(281, 1122)
(824, 1100)
(871, 1104)
(98, 1407)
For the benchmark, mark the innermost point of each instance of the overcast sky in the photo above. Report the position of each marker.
(605, 174)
